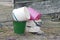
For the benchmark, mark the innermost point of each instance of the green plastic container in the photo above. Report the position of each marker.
(19, 27)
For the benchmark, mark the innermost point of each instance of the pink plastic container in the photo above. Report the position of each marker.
(34, 15)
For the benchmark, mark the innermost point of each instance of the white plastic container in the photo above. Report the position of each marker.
(21, 14)
(33, 27)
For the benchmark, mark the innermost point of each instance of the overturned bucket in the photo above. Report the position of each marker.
(21, 14)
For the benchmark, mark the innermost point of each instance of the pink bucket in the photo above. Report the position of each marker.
(34, 15)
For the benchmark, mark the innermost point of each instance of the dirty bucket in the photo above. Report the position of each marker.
(19, 27)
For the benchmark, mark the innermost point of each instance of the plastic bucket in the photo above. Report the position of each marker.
(34, 15)
(19, 27)
(21, 14)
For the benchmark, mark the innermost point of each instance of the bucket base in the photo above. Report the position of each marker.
(19, 27)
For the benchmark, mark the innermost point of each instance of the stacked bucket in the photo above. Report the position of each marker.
(21, 16)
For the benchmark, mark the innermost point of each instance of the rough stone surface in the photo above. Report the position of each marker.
(47, 6)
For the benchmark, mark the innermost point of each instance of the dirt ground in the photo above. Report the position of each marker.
(6, 30)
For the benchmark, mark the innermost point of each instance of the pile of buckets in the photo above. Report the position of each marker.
(21, 16)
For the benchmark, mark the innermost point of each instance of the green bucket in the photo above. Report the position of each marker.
(19, 27)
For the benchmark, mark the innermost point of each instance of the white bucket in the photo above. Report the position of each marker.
(33, 27)
(21, 14)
